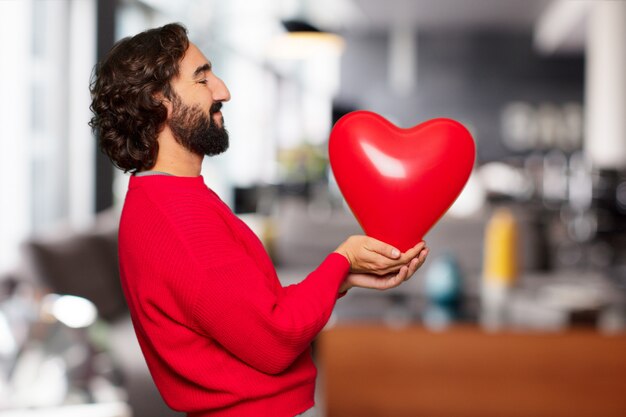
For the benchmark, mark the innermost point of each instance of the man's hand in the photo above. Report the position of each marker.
(390, 280)
(368, 255)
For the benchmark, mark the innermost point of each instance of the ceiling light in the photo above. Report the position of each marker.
(302, 40)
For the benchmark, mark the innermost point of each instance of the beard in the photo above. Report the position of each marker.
(197, 131)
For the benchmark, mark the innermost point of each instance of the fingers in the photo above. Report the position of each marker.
(412, 267)
(382, 248)
(424, 254)
(404, 259)
(394, 280)
(412, 253)
(416, 263)
(391, 280)
(377, 257)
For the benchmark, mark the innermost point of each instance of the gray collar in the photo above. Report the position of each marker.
(147, 173)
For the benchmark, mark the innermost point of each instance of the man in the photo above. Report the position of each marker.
(220, 335)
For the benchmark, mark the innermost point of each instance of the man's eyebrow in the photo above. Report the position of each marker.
(202, 68)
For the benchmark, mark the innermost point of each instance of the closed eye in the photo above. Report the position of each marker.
(203, 81)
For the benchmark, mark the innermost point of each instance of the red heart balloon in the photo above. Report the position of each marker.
(399, 182)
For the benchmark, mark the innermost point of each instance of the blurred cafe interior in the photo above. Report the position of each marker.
(520, 309)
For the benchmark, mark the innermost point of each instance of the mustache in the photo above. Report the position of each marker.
(217, 106)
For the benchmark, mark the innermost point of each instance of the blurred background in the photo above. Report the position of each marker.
(520, 309)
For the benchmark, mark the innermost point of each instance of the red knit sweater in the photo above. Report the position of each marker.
(220, 335)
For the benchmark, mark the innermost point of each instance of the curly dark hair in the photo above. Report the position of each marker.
(124, 86)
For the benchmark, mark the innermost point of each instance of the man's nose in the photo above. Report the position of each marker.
(221, 93)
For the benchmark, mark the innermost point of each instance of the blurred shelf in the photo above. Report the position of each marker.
(373, 370)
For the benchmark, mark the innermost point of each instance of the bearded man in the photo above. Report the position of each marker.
(220, 334)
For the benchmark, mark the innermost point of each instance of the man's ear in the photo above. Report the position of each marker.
(166, 102)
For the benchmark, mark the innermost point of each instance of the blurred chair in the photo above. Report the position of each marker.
(85, 264)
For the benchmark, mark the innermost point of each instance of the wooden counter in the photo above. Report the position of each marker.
(373, 371)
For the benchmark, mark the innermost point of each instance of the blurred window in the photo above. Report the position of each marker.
(46, 167)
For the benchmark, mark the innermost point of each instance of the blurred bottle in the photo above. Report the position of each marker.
(443, 281)
(443, 291)
(554, 185)
(500, 268)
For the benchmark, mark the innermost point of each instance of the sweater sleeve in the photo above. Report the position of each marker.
(265, 328)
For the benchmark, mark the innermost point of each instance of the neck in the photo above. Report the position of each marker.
(175, 159)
